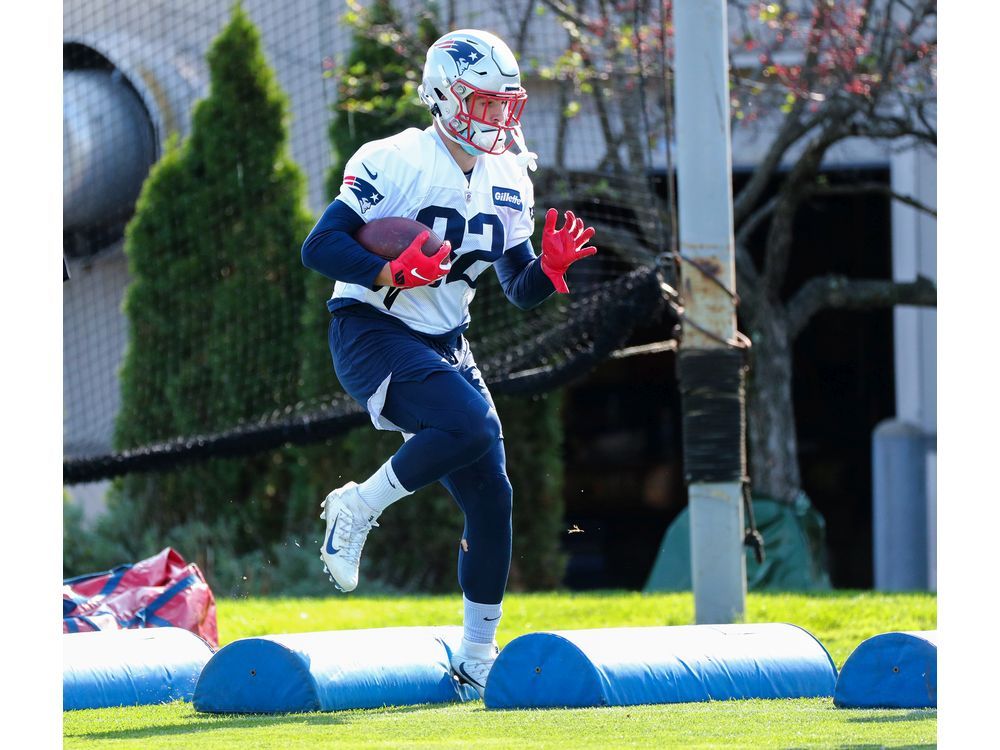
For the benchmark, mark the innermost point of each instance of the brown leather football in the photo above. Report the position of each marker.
(389, 237)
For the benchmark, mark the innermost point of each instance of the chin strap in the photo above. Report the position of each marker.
(524, 157)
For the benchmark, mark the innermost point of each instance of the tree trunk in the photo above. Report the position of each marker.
(773, 448)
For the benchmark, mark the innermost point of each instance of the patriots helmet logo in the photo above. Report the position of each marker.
(463, 53)
(364, 191)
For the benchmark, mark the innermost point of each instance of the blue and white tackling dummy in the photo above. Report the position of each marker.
(396, 331)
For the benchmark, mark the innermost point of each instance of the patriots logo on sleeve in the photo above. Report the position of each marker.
(463, 53)
(364, 191)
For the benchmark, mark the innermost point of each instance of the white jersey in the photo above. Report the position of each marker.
(413, 175)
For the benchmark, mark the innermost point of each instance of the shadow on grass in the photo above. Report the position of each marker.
(917, 714)
(202, 723)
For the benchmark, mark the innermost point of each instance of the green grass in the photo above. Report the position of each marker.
(841, 620)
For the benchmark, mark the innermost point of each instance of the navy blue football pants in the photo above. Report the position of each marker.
(437, 395)
(457, 441)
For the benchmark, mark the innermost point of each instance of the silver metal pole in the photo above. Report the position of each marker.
(705, 209)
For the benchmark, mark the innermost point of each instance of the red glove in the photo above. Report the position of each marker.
(564, 247)
(413, 268)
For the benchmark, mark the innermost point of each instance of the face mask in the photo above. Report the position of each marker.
(469, 149)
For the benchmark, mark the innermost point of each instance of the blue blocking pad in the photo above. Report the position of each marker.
(629, 666)
(891, 670)
(131, 667)
(332, 671)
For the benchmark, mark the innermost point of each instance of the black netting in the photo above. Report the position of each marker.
(194, 310)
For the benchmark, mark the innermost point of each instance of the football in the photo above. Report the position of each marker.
(389, 237)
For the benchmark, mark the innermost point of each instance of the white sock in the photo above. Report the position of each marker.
(481, 622)
(382, 488)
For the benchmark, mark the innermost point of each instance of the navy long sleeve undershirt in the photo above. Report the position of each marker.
(331, 250)
(521, 276)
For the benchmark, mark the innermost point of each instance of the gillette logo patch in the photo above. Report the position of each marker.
(507, 197)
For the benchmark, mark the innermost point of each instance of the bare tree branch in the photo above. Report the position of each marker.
(755, 219)
(572, 24)
(840, 292)
(745, 265)
(790, 196)
(564, 11)
(893, 128)
(522, 31)
(518, 25)
(747, 281)
(562, 99)
(921, 111)
(792, 129)
(871, 188)
(812, 51)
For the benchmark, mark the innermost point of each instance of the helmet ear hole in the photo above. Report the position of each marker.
(439, 94)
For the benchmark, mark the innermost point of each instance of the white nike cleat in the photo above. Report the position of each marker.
(348, 521)
(473, 669)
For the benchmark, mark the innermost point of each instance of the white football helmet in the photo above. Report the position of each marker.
(472, 86)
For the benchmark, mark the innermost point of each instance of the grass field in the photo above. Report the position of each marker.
(841, 620)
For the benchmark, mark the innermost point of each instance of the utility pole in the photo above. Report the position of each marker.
(710, 362)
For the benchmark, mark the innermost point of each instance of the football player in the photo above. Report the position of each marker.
(396, 329)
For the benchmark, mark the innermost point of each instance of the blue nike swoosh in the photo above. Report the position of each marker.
(329, 539)
(373, 175)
